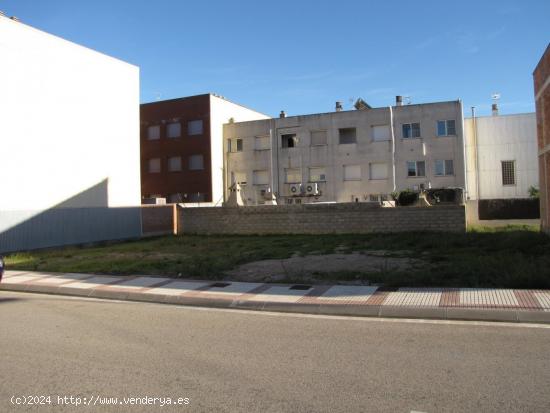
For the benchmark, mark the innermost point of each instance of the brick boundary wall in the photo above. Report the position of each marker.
(158, 219)
(541, 78)
(319, 219)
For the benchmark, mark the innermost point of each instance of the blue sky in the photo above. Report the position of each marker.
(302, 56)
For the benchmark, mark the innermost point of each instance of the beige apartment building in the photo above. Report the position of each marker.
(346, 156)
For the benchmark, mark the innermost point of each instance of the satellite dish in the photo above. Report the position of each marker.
(495, 96)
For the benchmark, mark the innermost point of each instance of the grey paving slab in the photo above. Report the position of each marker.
(279, 294)
(177, 287)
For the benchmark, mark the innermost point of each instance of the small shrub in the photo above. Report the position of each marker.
(407, 197)
(534, 192)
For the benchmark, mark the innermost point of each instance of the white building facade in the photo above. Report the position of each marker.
(501, 153)
(69, 138)
(347, 156)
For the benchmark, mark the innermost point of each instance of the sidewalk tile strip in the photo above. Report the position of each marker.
(346, 294)
(339, 299)
(8, 274)
(139, 283)
(234, 288)
(93, 282)
(62, 279)
(176, 288)
(377, 298)
(487, 298)
(415, 297)
(258, 290)
(22, 279)
(279, 294)
(543, 298)
(312, 295)
(450, 297)
(527, 300)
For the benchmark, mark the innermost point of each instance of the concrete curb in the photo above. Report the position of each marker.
(436, 313)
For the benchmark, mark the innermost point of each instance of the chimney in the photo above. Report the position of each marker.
(15, 18)
(495, 109)
(339, 106)
(399, 101)
(282, 114)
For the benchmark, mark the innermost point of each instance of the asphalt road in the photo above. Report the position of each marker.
(235, 361)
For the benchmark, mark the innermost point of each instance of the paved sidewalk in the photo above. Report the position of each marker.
(440, 303)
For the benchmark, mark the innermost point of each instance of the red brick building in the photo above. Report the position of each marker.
(542, 99)
(182, 147)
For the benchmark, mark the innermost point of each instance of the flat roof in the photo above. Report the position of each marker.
(202, 95)
(353, 110)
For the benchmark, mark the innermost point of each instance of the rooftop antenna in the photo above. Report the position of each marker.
(494, 106)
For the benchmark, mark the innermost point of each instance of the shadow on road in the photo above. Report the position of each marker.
(4, 300)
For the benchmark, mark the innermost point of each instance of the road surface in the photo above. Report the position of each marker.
(207, 360)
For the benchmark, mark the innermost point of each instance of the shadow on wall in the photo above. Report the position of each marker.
(83, 218)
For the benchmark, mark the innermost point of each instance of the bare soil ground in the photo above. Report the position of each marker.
(315, 268)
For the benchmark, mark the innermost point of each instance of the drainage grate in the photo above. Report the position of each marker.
(300, 287)
(219, 285)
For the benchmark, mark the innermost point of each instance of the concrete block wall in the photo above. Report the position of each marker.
(319, 219)
(158, 219)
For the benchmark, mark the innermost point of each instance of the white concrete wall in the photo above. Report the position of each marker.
(69, 126)
(334, 156)
(69, 120)
(501, 138)
(221, 111)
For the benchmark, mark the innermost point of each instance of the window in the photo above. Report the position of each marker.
(378, 170)
(153, 133)
(229, 145)
(194, 127)
(317, 174)
(261, 143)
(444, 167)
(347, 135)
(352, 172)
(381, 133)
(196, 162)
(411, 130)
(508, 172)
(173, 130)
(154, 165)
(416, 168)
(238, 177)
(239, 145)
(293, 176)
(289, 140)
(174, 163)
(318, 137)
(446, 128)
(260, 177)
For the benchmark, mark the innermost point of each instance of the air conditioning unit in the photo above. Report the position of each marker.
(312, 188)
(295, 189)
